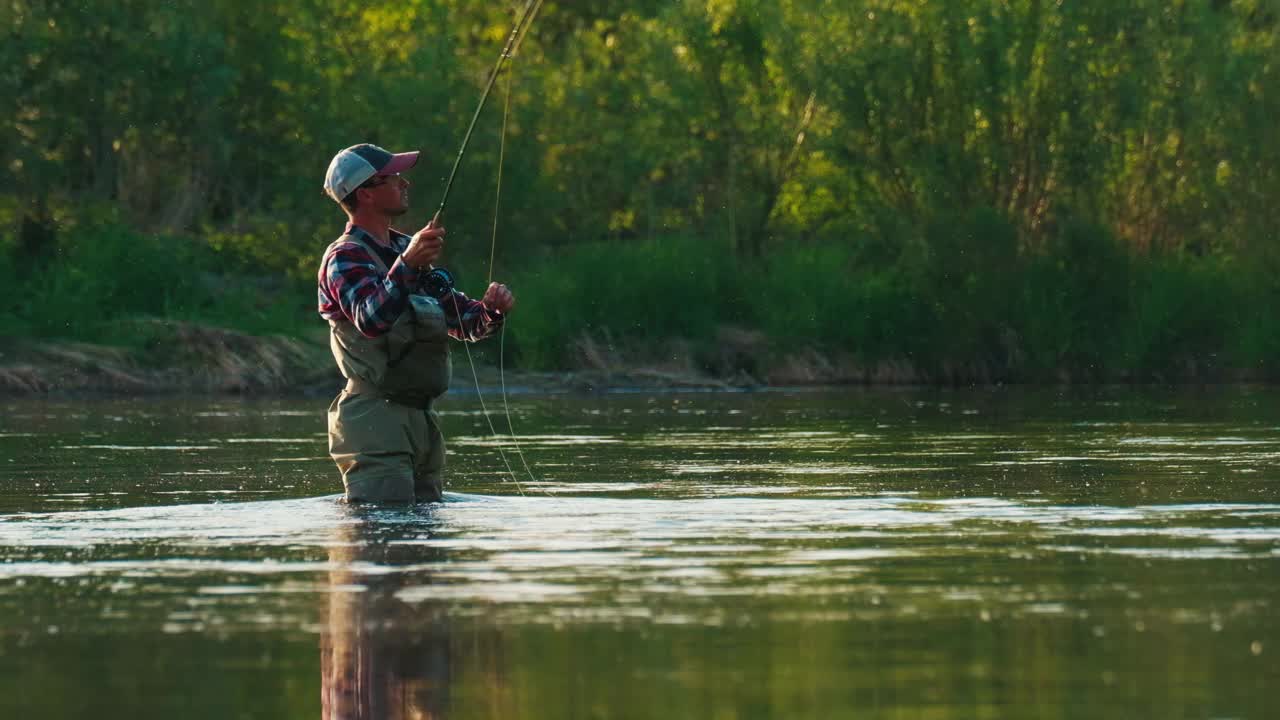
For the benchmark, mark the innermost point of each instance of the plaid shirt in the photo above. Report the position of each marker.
(351, 288)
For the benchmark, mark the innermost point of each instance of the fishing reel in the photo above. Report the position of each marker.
(438, 283)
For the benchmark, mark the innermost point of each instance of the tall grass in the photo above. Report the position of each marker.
(965, 299)
(105, 274)
(627, 291)
(962, 299)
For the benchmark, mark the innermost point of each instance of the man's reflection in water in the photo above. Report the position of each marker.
(382, 657)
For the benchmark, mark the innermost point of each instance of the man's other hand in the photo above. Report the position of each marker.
(498, 297)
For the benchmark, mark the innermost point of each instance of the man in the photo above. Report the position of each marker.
(390, 317)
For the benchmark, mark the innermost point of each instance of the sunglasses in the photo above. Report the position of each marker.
(384, 180)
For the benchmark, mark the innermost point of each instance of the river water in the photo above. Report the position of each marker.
(820, 554)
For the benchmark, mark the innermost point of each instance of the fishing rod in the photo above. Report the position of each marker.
(526, 18)
(440, 281)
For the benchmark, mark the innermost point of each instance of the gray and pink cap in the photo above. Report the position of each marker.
(351, 167)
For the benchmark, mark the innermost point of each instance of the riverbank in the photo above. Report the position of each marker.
(604, 315)
(173, 357)
(183, 357)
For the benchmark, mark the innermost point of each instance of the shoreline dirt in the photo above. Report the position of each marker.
(186, 358)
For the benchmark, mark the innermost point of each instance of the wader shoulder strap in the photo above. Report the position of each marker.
(373, 254)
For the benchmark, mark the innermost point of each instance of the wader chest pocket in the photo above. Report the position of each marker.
(418, 364)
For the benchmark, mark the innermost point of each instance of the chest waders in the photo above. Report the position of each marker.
(409, 365)
(382, 433)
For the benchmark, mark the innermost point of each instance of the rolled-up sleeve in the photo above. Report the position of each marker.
(470, 320)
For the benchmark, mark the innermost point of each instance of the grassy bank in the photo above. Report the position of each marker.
(104, 274)
(963, 302)
(968, 304)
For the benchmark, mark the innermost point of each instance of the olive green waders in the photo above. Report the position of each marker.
(387, 452)
(383, 434)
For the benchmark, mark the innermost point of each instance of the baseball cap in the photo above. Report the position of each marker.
(358, 163)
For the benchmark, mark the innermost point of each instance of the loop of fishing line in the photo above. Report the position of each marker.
(508, 52)
(493, 246)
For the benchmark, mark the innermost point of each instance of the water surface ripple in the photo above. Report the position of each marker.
(799, 555)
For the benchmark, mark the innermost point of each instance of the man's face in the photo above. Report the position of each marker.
(388, 194)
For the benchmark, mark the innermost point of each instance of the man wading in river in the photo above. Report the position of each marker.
(390, 318)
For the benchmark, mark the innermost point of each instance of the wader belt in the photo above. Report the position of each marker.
(356, 386)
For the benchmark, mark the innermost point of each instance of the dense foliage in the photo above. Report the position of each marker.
(1005, 189)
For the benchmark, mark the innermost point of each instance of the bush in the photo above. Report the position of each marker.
(1182, 315)
(824, 298)
(101, 274)
(675, 287)
(1074, 297)
(969, 282)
